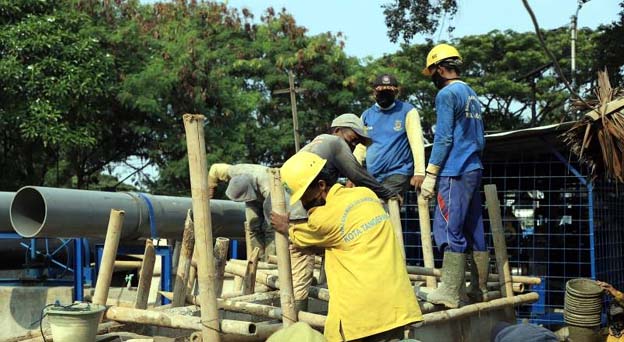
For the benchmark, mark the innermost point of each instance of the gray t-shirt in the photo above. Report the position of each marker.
(342, 162)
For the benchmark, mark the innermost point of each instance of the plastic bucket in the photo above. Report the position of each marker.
(75, 323)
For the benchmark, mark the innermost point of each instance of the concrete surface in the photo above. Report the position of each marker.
(20, 307)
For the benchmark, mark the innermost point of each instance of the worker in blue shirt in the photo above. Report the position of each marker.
(455, 165)
(396, 154)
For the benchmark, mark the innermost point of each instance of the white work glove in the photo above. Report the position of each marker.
(427, 189)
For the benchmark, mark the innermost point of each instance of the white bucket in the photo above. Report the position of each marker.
(75, 323)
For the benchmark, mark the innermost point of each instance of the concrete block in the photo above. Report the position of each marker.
(20, 307)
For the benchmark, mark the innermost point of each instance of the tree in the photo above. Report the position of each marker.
(60, 115)
(407, 18)
(611, 44)
(211, 59)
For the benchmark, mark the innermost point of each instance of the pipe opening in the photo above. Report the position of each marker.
(252, 329)
(28, 212)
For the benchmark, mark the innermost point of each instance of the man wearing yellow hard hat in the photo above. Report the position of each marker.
(455, 165)
(360, 250)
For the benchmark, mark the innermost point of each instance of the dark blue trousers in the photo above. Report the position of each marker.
(458, 220)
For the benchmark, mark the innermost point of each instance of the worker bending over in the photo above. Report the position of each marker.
(455, 164)
(337, 148)
(249, 183)
(371, 295)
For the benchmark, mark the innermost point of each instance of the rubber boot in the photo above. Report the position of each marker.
(301, 305)
(452, 291)
(479, 271)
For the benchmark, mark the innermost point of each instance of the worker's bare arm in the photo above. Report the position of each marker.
(280, 222)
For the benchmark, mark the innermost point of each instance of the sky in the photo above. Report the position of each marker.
(362, 21)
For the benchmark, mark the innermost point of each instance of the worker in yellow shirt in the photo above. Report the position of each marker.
(371, 295)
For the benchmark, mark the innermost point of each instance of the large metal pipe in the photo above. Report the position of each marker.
(5, 205)
(52, 212)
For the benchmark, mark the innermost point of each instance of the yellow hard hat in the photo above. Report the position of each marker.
(299, 171)
(439, 53)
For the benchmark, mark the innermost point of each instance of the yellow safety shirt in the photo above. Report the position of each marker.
(366, 274)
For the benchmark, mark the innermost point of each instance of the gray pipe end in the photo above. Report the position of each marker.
(28, 212)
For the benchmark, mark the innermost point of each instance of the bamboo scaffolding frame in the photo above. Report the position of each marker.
(111, 243)
(395, 218)
(184, 265)
(425, 238)
(495, 304)
(195, 141)
(249, 281)
(287, 298)
(424, 271)
(176, 321)
(145, 275)
(221, 251)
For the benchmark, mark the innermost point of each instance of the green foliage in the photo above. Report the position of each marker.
(407, 18)
(88, 83)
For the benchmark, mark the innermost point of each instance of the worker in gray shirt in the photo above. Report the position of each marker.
(347, 131)
(247, 183)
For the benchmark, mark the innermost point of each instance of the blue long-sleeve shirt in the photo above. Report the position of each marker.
(459, 134)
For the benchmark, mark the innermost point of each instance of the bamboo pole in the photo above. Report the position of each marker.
(125, 265)
(287, 298)
(175, 260)
(496, 304)
(268, 311)
(255, 309)
(425, 238)
(249, 281)
(516, 287)
(145, 276)
(254, 297)
(500, 246)
(192, 277)
(221, 251)
(184, 265)
(257, 297)
(319, 293)
(424, 271)
(176, 321)
(113, 233)
(395, 217)
(248, 248)
(193, 125)
(261, 277)
(262, 265)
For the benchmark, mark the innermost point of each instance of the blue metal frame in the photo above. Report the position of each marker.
(234, 249)
(166, 253)
(79, 254)
(78, 260)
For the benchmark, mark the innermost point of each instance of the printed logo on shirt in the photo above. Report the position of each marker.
(473, 108)
(365, 227)
(398, 125)
(343, 219)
